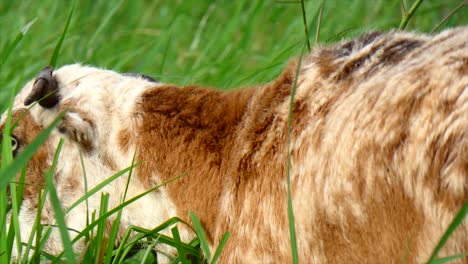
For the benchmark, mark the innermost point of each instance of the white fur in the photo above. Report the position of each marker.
(75, 82)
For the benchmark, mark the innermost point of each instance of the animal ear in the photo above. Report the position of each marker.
(44, 89)
(78, 128)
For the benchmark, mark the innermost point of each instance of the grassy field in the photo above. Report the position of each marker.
(223, 44)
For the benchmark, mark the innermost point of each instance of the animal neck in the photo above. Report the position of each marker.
(188, 132)
(202, 135)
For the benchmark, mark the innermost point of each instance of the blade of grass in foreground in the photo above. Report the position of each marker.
(201, 235)
(319, 22)
(455, 10)
(448, 259)
(455, 223)
(58, 212)
(292, 227)
(36, 230)
(112, 237)
(204, 241)
(51, 258)
(99, 187)
(304, 20)
(148, 257)
(191, 249)
(7, 173)
(221, 245)
(7, 158)
(7, 153)
(116, 223)
(53, 59)
(125, 246)
(16, 194)
(407, 15)
(141, 257)
(100, 240)
(16, 198)
(85, 186)
(178, 245)
(118, 208)
(6, 53)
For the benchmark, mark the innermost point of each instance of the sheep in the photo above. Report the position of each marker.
(376, 137)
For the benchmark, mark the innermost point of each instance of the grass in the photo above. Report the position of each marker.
(216, 43)
(223, 44)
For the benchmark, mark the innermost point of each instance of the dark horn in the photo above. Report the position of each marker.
(44, 90)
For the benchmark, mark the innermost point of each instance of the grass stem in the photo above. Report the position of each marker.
(304, 20)
(407, 16)
(455, 10)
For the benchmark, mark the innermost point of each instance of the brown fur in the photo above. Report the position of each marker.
(236, 142)
(26, 130)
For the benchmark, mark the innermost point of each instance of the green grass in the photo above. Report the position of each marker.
(223, 44)
(217, 43)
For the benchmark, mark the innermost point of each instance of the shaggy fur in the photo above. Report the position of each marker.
(379, 152)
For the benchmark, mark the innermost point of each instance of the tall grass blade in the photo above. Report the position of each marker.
(455, 10)
(57, 207)
(304, 20)
(85, 185)
(116, 223)
(16, 200)
(339, 35)
(51, 258)
(220, 247)
(407, 16)
(319, 22)
(112, 237)
(36, 230)
(201, 235)
(100, 240)
(141, 257)
(455, 223)
(292, 226)
(124, 245)
(16, 188)
(166, 50)
(148, 257)
(6, 159)
(6, 53)
(448, 259)
(7, 153)
(130, 173)
(98, 187)
(155, 234)
(6, 174)
(178, 245)
(53, 59)
(120, 207)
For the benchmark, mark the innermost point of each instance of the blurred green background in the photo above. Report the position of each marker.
(216, 43)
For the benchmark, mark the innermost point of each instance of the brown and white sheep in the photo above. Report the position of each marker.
(378, 151)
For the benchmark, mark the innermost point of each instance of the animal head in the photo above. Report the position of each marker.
(96, 105)
(87, 96)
